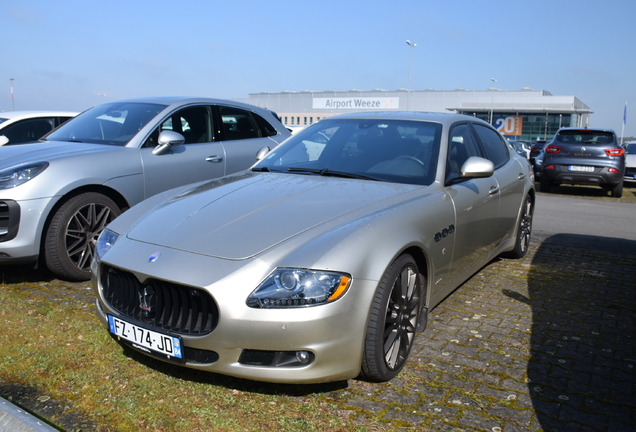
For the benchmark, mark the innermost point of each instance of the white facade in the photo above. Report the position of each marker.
(539, 112)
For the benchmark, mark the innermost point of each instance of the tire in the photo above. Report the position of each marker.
(70, 239)
(393, 321)
(617, 190)
(544, 184)
(524, 231)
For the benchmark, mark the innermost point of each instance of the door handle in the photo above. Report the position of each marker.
(521, 176)
(214, 158)
(493, 190)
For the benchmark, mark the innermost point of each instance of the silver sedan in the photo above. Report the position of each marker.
(323, 261)
(57, 195)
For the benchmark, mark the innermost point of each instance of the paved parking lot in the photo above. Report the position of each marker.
(540, 344)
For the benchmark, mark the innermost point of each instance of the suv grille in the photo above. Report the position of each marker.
(168, 306)
(9, 220)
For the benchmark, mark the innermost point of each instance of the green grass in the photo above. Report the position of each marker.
(594, 192)
(62, 351)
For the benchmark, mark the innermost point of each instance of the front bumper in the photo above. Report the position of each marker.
(21, 229)
(333, 334)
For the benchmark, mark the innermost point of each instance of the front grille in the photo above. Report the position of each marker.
(630, 172)
(165, 305)
(9, 220)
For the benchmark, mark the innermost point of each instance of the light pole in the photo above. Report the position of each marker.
(12, 103)
(492, 100)
(408, 90)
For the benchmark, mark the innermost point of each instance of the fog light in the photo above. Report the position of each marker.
(302, 357)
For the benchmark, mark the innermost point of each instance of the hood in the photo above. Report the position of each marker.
(240, 219)
(46, 151)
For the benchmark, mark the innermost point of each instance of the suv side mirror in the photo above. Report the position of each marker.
(167, 140)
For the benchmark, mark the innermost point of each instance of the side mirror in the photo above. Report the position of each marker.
(167, 140)
(476, 167)
(262, 153)
(3, 140)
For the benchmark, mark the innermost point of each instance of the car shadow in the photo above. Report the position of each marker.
(240, 384)
(24, 273)
(582, 356)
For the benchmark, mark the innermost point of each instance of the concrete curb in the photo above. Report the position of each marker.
(14, 419)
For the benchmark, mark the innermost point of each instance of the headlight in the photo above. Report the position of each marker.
(16, 176)
(105, 241)
(298, 288)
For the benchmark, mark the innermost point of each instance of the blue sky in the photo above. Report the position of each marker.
(72, 55)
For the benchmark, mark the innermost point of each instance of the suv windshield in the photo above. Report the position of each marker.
(112, 124)
(396, 151)
(589, 137)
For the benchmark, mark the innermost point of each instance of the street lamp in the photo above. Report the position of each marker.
(492, 100)
(12, 103)
(408, 90)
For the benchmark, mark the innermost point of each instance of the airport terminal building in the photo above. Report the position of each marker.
(524, 114)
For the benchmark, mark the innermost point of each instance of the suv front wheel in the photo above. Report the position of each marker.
(69, 244)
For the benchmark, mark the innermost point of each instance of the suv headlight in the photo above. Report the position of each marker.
(16, 176)
(105, 241)
(285, 288)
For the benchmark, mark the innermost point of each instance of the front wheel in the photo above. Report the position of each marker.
(70, 240)
(393, 320)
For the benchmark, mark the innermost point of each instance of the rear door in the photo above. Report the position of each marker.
(510, 176)
(243, 134)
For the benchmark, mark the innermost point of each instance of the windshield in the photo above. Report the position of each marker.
(112, 124)
(399, 151)
(631, 149)
(589, 137)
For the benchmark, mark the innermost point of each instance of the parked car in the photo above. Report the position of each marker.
(630, 162)
(536, 149)
(584, 157)
(17, 127)
(520, 148)
(57, 195)
(323, 261)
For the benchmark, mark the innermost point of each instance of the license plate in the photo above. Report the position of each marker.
(148, 341)
(581, 168)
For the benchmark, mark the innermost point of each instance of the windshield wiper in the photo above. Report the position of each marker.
(328, 172)
(261, 169)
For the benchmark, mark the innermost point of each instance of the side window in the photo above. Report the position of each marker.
(28, 130)
(461, 146)
(194, 123)
(62, 120)
(495, 148)
(266, 128)
(237, 124)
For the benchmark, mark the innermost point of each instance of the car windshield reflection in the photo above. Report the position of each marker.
(399, 151)
(111, 124)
